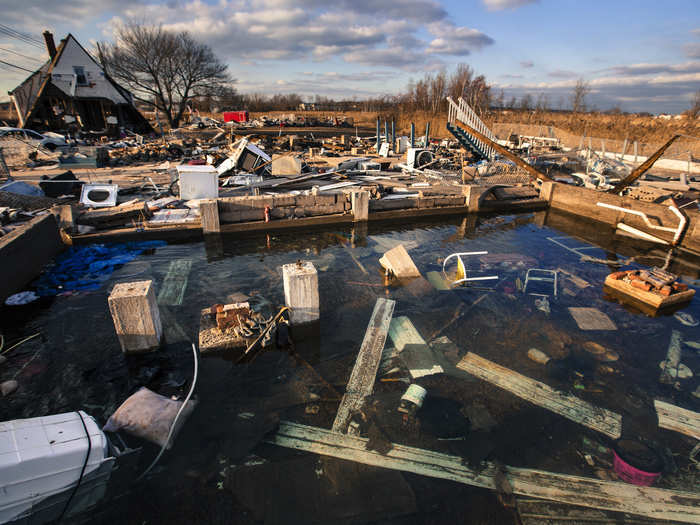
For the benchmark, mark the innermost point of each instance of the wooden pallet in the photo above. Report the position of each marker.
(655, 300)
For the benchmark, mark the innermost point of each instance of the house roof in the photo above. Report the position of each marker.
(28, 93)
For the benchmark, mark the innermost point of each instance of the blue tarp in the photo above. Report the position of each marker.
(85, 267)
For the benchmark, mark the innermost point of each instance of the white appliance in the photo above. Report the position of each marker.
(417, 157)
(99, 195)
(198, 182)
(41, 460)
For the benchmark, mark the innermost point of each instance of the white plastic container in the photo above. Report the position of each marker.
(40, 463)
(198, 182)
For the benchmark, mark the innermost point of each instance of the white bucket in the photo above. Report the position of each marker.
(415, 394)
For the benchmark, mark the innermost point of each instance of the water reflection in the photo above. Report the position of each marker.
(218, 471)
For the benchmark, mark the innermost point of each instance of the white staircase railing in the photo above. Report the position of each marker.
(464, 113)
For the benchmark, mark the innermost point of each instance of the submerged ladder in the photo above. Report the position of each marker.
(460, 111)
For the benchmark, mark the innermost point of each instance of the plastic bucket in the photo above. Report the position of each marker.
(415, 394)
(628, 452)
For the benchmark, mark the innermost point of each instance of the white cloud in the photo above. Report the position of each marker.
(562, 73)
(527, 64)
(455, 40)
(692, 50)
(499, 5)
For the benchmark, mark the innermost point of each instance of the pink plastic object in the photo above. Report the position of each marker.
(631, 474)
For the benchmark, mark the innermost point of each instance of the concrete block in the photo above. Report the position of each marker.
(136, 316)
(547, 190)
(360, 205)
(209, 210)
(301, 292)
(286, 165)
(471, 197)
(25, 251)
(399, 263)
(283, 200)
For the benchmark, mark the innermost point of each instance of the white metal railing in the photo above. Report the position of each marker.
(464, 113)
(677, 231)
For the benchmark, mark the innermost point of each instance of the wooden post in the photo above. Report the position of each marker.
(209, 210)
(301, 292)
(136, 317)
(360, 205)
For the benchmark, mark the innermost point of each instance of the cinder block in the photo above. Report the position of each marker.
(301, 292)
(136, 316)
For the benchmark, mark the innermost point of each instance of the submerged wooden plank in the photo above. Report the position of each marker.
(571, 407)
(591, 319)
(662, 504)
(418, 357)
(678, 419)
(402, 333)
(438, 281)
(364, 373)
(173, 289)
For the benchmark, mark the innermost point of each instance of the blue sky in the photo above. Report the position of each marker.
(638, 55)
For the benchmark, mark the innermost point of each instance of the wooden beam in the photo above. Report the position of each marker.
(531, 170)
(363, 376)
(571, 407)
(172, 290)
(678, 419)
(661, 504)
(642, 168)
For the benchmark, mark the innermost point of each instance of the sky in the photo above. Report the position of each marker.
(637, 55)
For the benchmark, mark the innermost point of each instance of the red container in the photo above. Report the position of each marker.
(632, 474)
(235, 116)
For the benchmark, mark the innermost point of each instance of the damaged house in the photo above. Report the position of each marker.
(71, 90)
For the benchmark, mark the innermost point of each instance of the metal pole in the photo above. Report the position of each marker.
(393, 133)
(427, 134)
(386, 131)
(413, 135)
(377, 134)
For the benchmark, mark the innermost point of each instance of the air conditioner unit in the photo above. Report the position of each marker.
(99, 195)
(417, 157)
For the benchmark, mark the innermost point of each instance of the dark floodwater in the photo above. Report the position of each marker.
(219, 471)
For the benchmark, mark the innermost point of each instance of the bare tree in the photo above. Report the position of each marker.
(526, 102)
(542, 103)
(163, 68)
(578, 96)
(694, 110)
(438, 87)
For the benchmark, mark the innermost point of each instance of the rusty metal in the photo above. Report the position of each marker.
(642, 168)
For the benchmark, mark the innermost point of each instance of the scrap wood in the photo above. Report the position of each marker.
(418, 357)
(364, 373)
(662, 504)
(175, 282)
(678, 419)
(571, 407)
